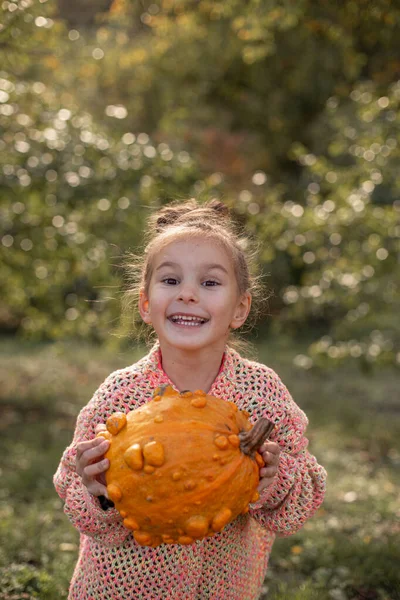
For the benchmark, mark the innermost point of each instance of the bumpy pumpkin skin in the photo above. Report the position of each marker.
(177, 473)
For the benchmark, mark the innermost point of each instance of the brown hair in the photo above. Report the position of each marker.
(189, 218)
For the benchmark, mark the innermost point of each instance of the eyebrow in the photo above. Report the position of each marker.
(208, 267)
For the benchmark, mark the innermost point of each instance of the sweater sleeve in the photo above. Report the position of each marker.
(299, 486)
(83, 509)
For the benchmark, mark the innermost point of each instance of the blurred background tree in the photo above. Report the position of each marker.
(288, 112)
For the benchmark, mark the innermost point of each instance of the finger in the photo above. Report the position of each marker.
(272, 447)
(100, 427)
(268, 472)
(90, 456)
(97, 489)
(101, 479)
(94, 453)
(83, 446)
(91, 471)
(264, 483)
(270, 459)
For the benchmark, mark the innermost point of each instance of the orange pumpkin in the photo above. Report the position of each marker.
(182, 466)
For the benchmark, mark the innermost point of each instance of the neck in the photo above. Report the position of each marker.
(194, 370)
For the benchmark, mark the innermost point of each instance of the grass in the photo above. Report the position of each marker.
(350, 550)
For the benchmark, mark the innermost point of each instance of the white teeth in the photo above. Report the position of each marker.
(187, 320)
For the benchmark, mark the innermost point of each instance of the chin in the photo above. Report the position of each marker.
(186, 344)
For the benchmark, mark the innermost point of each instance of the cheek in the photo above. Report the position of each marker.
(215, 303)
(159, 302)
(227, 299)
(222, 307)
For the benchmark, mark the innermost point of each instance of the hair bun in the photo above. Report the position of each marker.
(167, 218)
(219, 207)
(188, 213)
(168, 215)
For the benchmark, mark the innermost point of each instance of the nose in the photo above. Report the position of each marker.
(187, 294)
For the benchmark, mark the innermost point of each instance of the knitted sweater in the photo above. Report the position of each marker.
(230, 565)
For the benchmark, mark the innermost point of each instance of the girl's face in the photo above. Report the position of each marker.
(193, 299)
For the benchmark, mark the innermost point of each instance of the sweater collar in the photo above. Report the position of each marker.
(223, 384)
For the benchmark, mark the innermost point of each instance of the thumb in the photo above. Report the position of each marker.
(100, 427)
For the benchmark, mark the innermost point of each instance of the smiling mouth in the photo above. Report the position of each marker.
(188, 321)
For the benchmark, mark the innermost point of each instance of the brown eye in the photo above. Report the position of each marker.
(210, 283)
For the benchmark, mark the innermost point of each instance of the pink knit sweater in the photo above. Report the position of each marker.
(228, 566)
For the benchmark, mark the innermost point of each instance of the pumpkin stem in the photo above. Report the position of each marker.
(251, 440)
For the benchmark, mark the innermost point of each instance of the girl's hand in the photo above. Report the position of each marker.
(91, 464)
(270, 452)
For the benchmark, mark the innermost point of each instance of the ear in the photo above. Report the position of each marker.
(242, 311)
(144, 307)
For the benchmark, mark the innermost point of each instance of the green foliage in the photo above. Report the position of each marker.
(27, 582)
(338, 568)
(287, 111)
(248, 76)
(340, 232)
(72, 200)
(28, 36)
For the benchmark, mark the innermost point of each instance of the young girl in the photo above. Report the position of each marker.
(195, 289)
